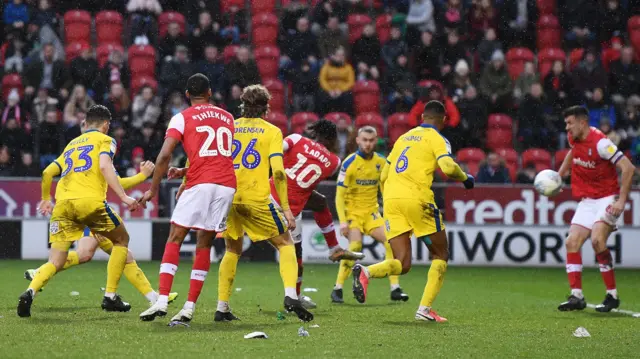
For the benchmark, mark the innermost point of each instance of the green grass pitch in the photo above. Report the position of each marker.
(492, 312)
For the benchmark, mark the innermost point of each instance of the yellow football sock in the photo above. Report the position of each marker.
(45, 272)
(72, 260)
(435, 278)
(394, 280)
(345, 265)
(388, 267)
(288, 266)
(136, 277)
(226, 275)
(115, 268)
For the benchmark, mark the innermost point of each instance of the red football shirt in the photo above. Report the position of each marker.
(206, 133)
(593, 171)
(306, 163)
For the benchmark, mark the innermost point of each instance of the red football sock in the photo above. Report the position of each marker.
(300, 267)
(199, 271)
(574, 270)
(324, 220)
(606, 269)
(169, 266)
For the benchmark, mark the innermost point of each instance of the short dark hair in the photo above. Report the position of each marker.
(577, 111)
(97, 114)
(324, 130)
(198, 85)
(434, 109)
(255, 101)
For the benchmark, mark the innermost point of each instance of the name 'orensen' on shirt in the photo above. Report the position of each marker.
(249, 130)
(211, 114)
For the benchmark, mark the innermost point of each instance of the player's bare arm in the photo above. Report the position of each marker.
(565, 168)
(162, 165)
(110, 175)
(45, 207)
(628, 169)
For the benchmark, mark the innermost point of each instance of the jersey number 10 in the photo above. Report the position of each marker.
(291, 172)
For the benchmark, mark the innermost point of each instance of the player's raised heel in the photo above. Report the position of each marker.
(294, 305)
(360, 283)
(29, 274)
(184, 316)
(156, 310)
(572, 303)
(307, 303)
(224, 316)
(336, 296)
(339, 254)
(115, 305)
(398, 295)
(608, 304)
(24, 304)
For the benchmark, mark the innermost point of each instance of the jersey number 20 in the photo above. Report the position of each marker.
(205, 150)
(291, 172)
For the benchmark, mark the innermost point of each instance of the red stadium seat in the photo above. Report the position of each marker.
(509, 154)
(103, 51)
(268, 59)
(137, 83)
(513, 171)
(300, 120)
(516, 58)
(546, 7)
(142, 60)
(356, 23)
(263, 6)
(371, 119)
(472, 167)
(226, 4)
(633, 27)
(575, 57)
(547, 57)
(383, 27)
(279, 120)
(470, 154)
(276, 89)
(397, 125)
(10, 82)
(548, 32)
(229, 53)
(109, 27)
(336, 117)
(559, 156)
(77, 26)
(74, 50)
(538, 156)
(168, 17)
(500, 131)
(264, 29)
(366, 97)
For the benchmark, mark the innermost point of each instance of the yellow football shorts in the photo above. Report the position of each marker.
(411, 215)
(260, 222)
(71, 217)
(365, 222)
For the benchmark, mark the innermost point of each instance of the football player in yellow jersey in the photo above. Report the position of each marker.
(85, 168)
(357, 206)
(409, 207)
(257, 148)
(89, 243)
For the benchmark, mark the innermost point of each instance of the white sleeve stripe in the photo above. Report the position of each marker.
(177, 123)
(294, 138)
(285, 145)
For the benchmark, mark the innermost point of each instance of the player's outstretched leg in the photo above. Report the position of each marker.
(112, 302)
(72, 260)
(439, 249)
(599, 235)
(226, 277)
(199, 271)
(307, 302)
(346, 265)
(576, 301)
(168, 269)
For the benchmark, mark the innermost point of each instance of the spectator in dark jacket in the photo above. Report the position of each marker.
(518, 23)
(118, 103)
(402, 99)
(325, 10)
(473, 118)
(174, 73)
(495, 83)
(527, 175)
(213, 68)
(305, 86)
(533, 129)
(233, 24)
(588, 75)
(613, 21)
(580, 20)
(600, 109)
(482, 16)
(452, 53)
(332, 38)
(366, 49)
(426, 58)
(242, 71)
(493, 171)
(6, 165)
(294, 10)
(49, 138)
(393, 48)
(174, 37)
(206, 33)
(558, 87)
(624, 79)
(114, 71)
(15, 137)
(26, 167)
(48, 73)
(300, 46)
(400, 76)
(84, 69)
(488, 46)
(45, 15)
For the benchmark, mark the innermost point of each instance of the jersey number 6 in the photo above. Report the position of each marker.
(402, 159)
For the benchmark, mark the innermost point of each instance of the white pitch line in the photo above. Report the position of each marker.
(621, 311)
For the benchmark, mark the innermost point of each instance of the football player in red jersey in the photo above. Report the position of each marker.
(206, 133)
(592, 163)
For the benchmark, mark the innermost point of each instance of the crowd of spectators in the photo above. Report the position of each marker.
(460, 46)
